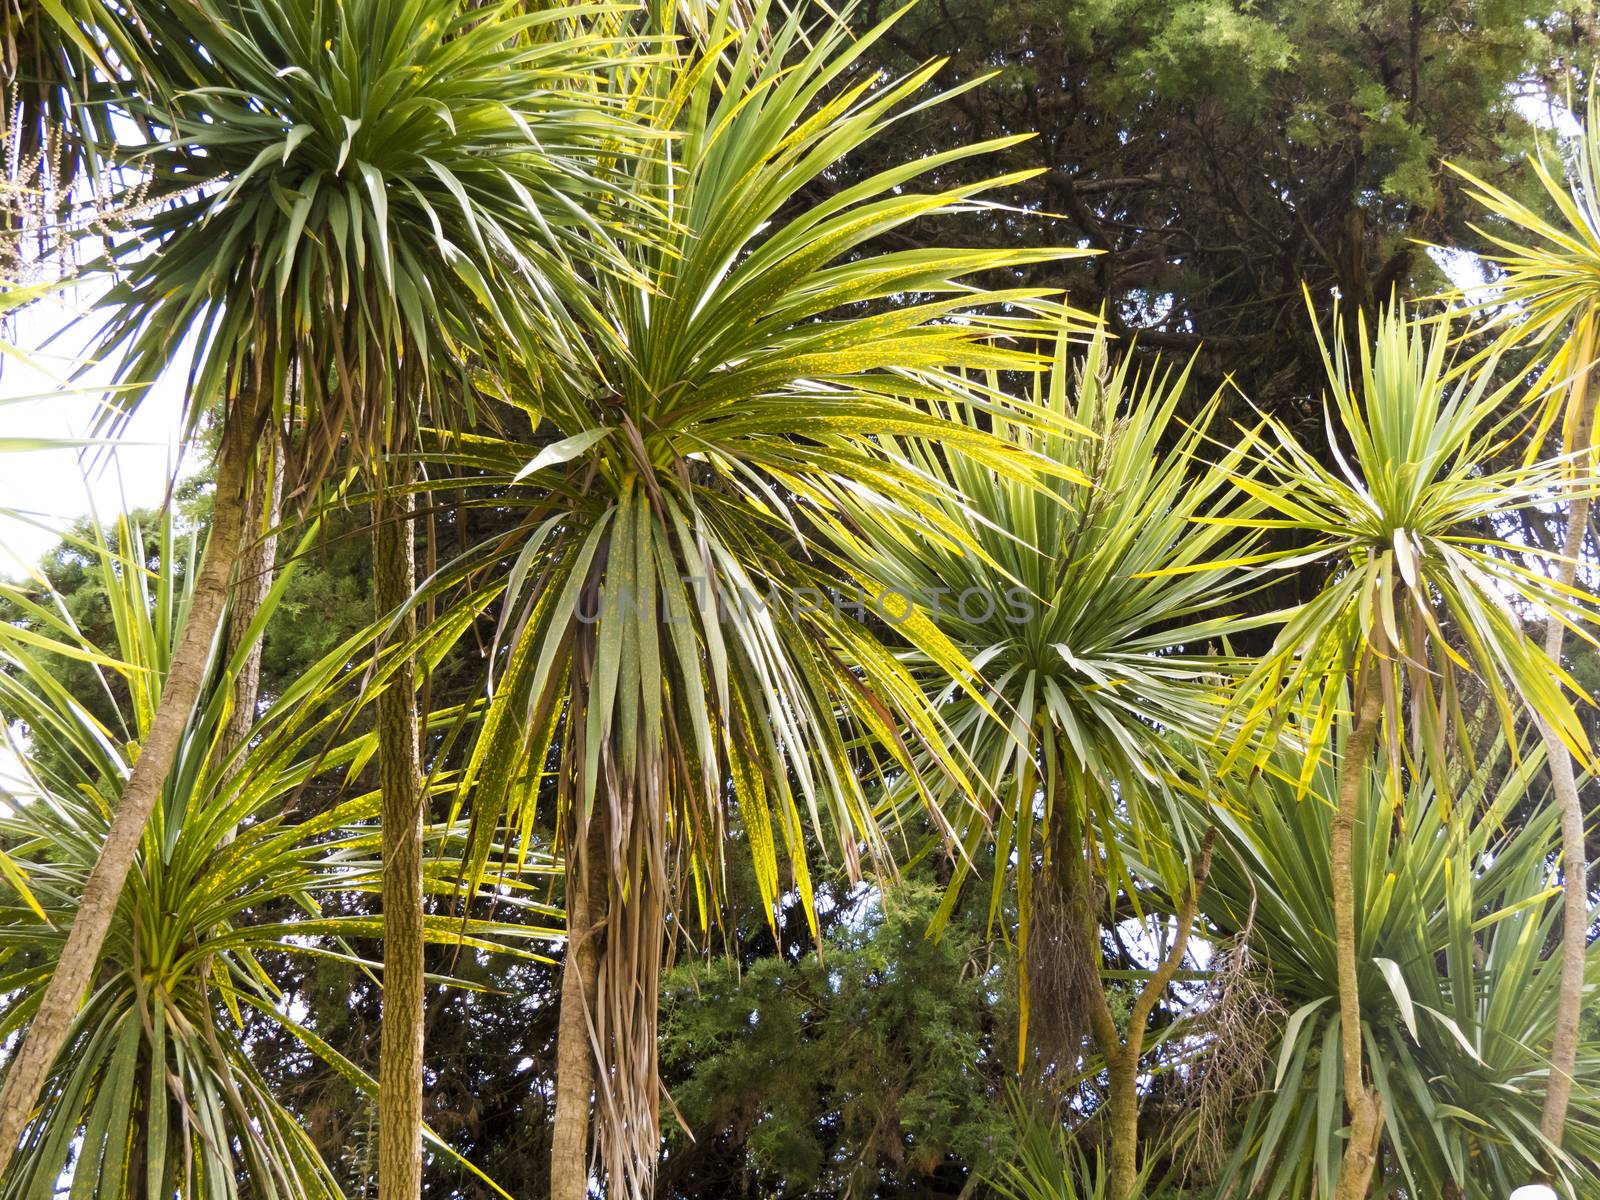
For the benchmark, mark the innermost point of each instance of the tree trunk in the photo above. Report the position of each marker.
(47, 1033)
(1124, 1101)
(1125, 1119)
(400, 778)
(1365, 1108)
(257, 562)
(575, 1060)
(1069, 858)
(1574, 856)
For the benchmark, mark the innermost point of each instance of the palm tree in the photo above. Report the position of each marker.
(1550, 290)
(1458, 1003)
(677, 497)
(1091, 606)
(1419, 598)
(352, 192)
(158, 1093)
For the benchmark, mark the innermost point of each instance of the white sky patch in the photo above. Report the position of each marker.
(38, 400)
(1542, 109)
(1465, 269)
(294, 1007)
(16, 785)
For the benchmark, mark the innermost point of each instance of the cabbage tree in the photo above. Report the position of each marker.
(1548, 294)
(1459, 1001)
(1422, 598)
(157, 1092)
(1094, 606)
(671, 650)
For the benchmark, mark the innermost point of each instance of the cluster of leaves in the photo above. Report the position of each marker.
(1458, 997)
(739, 365)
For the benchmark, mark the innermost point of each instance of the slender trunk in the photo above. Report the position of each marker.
(1125, 1071)
(1574, 856)
(400, 777)
(1365, 1107)
(575, 1059)
(1124, 1104)
(257, 561)
(48, 1031)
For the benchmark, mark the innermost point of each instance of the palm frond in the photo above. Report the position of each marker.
(1411, 522)
(359, 199)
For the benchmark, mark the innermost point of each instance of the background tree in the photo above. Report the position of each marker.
(843, 1073)
(1222, 154)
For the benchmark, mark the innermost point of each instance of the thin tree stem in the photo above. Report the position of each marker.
(1122, 1060)
(400, 777)
(1069, 856)
(257, 562)
(1563, 781)
(47, 1033)
(1363, 1105)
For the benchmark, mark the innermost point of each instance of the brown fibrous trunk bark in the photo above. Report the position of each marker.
(1364, 1107)
(586, 890)
(400, 1060)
